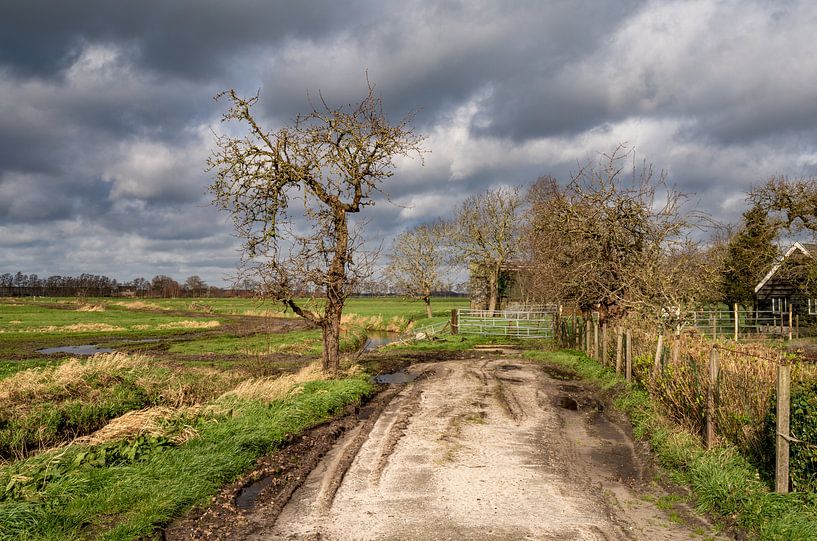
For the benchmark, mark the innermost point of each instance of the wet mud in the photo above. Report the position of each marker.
(488, 447)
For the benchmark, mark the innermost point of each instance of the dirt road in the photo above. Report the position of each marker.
(484, 449)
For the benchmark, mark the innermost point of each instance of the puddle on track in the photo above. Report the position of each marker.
(571, 388)
(567, 403)
(396, 378)
(86, 349)
(246, 498)
(508, 367)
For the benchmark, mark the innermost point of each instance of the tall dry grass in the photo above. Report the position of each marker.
(266, 313)
(71, 378)
(188, 324)
(275, 388)
(109, 396)
(375, 323)
(744, 390)
(90, 308)
(175, 423)
(77, 327)
(139, 305)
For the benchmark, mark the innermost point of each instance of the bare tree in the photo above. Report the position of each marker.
(331, 162)
(484, 234)
(541, 241)
(164, 286)
(791, 203)
(417, 258)
(195, 285)
(616, 238)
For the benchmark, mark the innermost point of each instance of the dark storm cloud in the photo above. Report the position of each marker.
(428, 57)
(189, 38)
(106, 114)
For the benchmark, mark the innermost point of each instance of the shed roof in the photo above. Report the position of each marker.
(806, 248)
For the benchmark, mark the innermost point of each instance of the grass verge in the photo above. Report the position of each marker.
(132, 488)
(723, 482)
(46, 406)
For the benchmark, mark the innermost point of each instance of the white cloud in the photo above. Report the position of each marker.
(156, 170)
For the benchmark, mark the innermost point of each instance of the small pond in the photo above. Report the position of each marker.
(375, 339)
(87, 349)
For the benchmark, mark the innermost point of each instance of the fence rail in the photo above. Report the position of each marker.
(744, 323)
(512, 323)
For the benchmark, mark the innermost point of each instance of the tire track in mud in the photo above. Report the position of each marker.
(479, 450)
(396, 431)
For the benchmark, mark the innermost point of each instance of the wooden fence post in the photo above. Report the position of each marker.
(604, 343)
(575, 331)
(619, 345)
(629, 360)
(791, 322)
(710, 398)
(737, 322)
(659, 349)
(676, 349)
(713, 322)
(781, 473)
(596, 355)
(455, 322)
(587, 337)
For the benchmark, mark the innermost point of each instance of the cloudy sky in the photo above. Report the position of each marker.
(107, 116)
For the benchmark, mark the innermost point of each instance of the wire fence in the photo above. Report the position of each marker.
(743, 323)
(723, 390)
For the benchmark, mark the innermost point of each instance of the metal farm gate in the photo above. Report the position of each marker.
(513, 323)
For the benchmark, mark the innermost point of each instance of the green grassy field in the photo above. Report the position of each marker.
(204, 327)
(117, 445)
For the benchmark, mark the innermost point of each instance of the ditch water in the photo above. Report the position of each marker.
(375, 339)
(87, 349)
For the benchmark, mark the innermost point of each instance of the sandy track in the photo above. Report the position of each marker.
(491, 449)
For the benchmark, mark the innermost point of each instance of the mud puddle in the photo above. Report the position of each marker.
(565, 402)
(508, 367)
(249, 494)
(396, 378)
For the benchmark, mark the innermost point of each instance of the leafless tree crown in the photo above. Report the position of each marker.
(326, 165)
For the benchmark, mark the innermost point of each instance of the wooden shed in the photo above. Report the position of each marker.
(782, 285)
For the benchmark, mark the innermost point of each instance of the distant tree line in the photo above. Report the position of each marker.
(20, 284)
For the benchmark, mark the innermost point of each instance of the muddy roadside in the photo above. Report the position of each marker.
(233, 513)
(489, 447)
